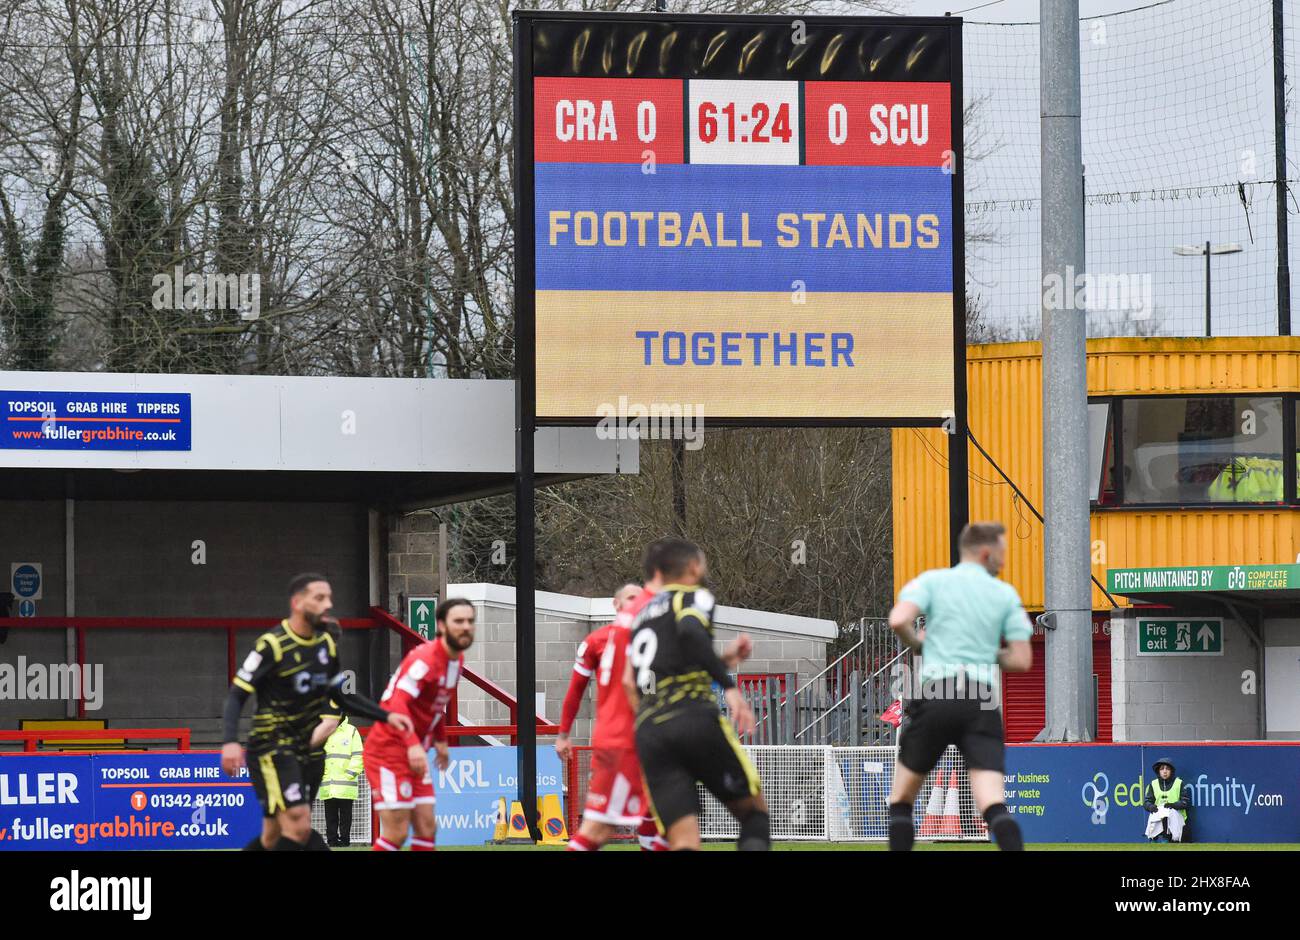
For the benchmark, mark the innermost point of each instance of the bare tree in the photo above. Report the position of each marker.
(42, 92)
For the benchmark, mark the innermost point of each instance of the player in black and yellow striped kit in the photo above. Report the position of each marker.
(294, 672)
(681, 737)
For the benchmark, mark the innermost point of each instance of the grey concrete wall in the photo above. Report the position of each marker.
(134, 558)
(493, 656)
(1281, 631)
(1173, 698)
(21, 648)
(412, 560)
(33, 531)
(778, 653)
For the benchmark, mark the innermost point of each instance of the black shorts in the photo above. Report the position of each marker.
(696, 744)
(930, 725)
(282, 779)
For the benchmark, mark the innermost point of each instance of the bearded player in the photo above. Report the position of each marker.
(397, 764)
(615, 796)
(294, 671)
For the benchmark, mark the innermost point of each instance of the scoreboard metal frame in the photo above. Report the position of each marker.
(699, 30)
(708, 37)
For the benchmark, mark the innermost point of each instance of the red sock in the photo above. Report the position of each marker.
(580, 843)
(383, 845)
(648, 835)
(421, 845)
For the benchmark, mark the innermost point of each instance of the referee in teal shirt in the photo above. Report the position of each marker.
(975, 629)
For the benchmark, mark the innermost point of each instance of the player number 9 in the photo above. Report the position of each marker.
(643, 648)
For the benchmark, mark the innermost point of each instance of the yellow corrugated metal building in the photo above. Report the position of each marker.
(1005, 413)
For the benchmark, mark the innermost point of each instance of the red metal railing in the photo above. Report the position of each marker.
(79, 735)
(455, 729)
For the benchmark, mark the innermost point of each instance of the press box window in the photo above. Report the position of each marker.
(1220, 449)
(1101, 454)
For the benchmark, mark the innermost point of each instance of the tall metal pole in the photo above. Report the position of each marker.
(958, 446)
(442, 562)
(679, 485)
(1279, 170)
(1208, 332)
(1065, 392)
(525, 427)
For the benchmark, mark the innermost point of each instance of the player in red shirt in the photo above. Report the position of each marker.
(397, 765)
(615, 796)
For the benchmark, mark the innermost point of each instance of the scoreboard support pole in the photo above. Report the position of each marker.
(958, 480)
(525, 431)
(958, 446)
(526, 619)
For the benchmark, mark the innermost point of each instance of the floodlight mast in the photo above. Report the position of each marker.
(1067, 581)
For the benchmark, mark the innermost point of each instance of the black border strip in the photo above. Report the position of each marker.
(802, 119)
(958, 448)
(832, 48)
(1289, 491)
(686, 122)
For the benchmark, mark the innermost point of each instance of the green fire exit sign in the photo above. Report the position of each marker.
(420, 615)
(1180, 636)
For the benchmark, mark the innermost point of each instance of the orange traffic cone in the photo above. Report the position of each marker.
(950, 822)
(933, 809)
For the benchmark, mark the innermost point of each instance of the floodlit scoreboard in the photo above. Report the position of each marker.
(753, 216)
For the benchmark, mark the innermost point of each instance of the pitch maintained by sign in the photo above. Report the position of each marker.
(1204, 578)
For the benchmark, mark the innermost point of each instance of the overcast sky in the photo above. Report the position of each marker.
(1011, 11)
(1177, 112)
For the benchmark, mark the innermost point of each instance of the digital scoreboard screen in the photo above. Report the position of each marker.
(751, 216)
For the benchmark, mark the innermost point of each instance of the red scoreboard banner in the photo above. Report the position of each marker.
(607, 120)
(879, 123)
(751, 216)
